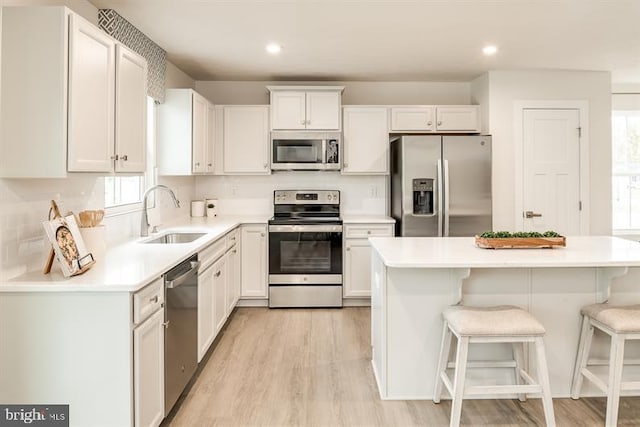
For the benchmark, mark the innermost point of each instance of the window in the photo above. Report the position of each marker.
(626, 164)
(124, 193)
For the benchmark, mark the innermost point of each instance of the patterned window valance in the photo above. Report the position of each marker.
(122, 30)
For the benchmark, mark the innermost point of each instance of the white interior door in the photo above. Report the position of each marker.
(551, 171)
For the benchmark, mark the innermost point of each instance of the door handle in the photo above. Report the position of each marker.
(532, 214)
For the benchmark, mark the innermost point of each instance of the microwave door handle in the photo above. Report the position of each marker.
(324, 151)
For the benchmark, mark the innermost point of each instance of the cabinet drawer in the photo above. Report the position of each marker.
(147, 300)
(361, 231)
(232, 238)
(212, 252)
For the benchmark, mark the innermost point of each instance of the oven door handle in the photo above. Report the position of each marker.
(305, 228)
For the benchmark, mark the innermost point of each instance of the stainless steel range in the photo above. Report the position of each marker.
(305, 249)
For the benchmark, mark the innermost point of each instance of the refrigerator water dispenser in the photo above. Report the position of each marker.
(423, 196)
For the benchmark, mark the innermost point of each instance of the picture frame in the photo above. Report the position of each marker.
(68, 245)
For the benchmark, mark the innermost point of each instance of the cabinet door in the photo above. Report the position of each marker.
(357, 271)
(246, 139)
(131, 111)
(366, 141)
(148, 368)
(323, 110)
(412, 118)
(200, 111)
(211, 139)
(91, 98)
(206, 331)
(462, 118)
(233, 277)
(219, 294)
(288, 110)
(254, 261)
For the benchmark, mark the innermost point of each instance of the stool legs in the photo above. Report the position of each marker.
(615, 379)
(586, 335)
(458, 381)
(518, 356)
(445, 346)
(543, 379)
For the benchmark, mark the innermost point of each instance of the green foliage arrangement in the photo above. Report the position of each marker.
(517, 234)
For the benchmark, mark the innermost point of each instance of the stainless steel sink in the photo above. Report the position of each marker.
(171, 238)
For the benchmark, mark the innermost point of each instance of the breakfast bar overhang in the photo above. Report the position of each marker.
(414, 279)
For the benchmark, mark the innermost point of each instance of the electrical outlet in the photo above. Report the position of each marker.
(373, 191)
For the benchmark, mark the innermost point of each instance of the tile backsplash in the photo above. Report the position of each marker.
(25, 205)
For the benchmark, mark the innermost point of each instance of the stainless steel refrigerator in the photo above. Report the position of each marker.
(441, 185)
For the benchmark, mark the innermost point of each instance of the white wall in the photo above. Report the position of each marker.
(355, 93)
(81, 7)
(507, 87)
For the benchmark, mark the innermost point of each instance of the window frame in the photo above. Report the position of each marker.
(615, 113)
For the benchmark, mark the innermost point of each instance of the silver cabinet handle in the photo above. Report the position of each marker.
(348, 249)
(368, 231)
(116, 157)
(429, 123)
(197, 164)
(154, 299)
(261, 234)
(346, 165)
(166, 324)
(218, 273)
(532, 214)
(234, 251)
(439, 123)
(302, 122)
(265, 165)
(124, 158)
(209, 164)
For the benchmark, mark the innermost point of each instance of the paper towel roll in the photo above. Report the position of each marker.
(197, 208)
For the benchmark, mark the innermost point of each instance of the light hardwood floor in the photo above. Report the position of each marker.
(311, 367)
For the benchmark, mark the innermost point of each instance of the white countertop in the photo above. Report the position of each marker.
(131, 265)
(367, 219)
(461, 252)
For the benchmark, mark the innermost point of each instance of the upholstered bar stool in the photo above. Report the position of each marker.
(621, 323)
(500, 324)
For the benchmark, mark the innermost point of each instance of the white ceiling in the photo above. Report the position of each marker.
(402, 40)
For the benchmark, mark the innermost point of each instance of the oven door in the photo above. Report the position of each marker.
(305, 254)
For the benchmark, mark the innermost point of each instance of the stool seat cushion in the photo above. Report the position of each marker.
(620, 318)
(502, 320)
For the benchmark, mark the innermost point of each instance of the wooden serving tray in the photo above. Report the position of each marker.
(520, 242)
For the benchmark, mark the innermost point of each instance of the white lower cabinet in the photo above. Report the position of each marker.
(357, 257)
(254, 261)
(206, 331)
(219, 294)
(218, 287)
(148, 357)
(233, 278)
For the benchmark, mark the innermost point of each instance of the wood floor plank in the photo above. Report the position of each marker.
(312, 367)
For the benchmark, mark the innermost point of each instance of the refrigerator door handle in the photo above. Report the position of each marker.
(439, 196)
(446, 198)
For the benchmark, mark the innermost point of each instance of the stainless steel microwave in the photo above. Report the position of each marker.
(307, 150)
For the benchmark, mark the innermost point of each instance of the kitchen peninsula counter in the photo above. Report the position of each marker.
(414, 279)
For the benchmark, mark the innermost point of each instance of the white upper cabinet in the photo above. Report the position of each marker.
(91, 98)
(366, 141)
(300, 107)
(131, 111)
(458, 118)
(211, 140)
(412, 118)
(438, 118)
(246, 140)
(59, 90)
(183, 138)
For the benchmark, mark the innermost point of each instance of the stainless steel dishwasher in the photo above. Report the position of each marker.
(181, 329)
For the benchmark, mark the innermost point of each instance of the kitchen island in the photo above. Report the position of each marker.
(414, 279)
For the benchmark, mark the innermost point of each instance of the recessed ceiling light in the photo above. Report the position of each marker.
(489, 50)
(274, 48)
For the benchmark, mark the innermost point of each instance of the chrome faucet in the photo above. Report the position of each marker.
(144, 223)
